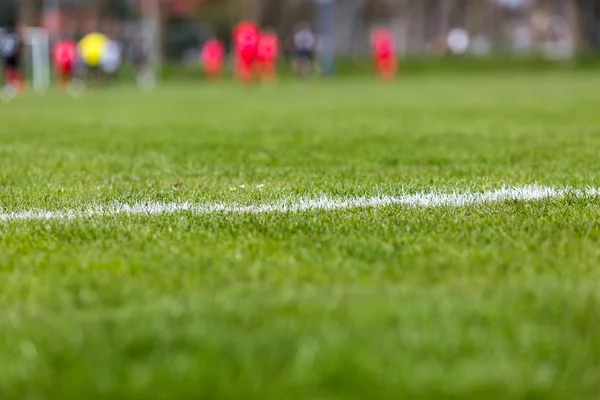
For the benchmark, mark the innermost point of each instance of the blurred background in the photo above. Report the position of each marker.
(555, 28)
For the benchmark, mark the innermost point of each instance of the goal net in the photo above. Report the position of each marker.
(36, 62)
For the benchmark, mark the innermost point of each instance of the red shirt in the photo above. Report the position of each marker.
(213, 53)
(268, 47)
(383, 44)
(246, 41)
(65, 54)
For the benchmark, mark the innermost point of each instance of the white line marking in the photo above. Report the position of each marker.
(323, 203)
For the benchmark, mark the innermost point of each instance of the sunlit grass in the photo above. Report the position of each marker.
(491, 300)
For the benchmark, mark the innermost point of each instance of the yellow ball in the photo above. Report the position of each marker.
(92, 47)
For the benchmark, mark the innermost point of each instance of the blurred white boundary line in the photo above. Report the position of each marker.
(323, 203)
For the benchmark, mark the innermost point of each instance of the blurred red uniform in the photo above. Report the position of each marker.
(213, 58)
(384, 52)
(65, 56)
(246, 36)
(267, 56)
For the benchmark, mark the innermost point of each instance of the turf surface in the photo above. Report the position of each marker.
(485, 301)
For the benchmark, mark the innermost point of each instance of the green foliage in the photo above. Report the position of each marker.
(490, 301)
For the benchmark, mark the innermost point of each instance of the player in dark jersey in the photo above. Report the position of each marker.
(304, 46)
(11, 49)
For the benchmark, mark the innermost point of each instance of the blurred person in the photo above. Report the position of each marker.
(139, 55)
(11, 50)
(64, 56)
(112, 58)
(267, 55)
(384, 54)
(213, 59)
(246, 36)
(91, 49)
(304, 46)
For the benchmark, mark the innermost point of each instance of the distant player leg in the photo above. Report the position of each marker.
(268, 71)
(12, 76)
(12, 80)
(64, 76)
(145, 77)
(213, 70)
(305, 63)
(387, 68)
(244, 71)
(10, 88)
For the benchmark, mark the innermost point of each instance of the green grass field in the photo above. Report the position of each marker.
(489, 300)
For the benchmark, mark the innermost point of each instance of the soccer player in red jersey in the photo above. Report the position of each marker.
(384, 52)
(213, 59)
(246, 37)
(267, 55)
(64, 55)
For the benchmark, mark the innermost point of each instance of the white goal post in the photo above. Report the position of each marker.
(37, 48)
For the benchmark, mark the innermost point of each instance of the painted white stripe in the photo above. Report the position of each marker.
(324, 203)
